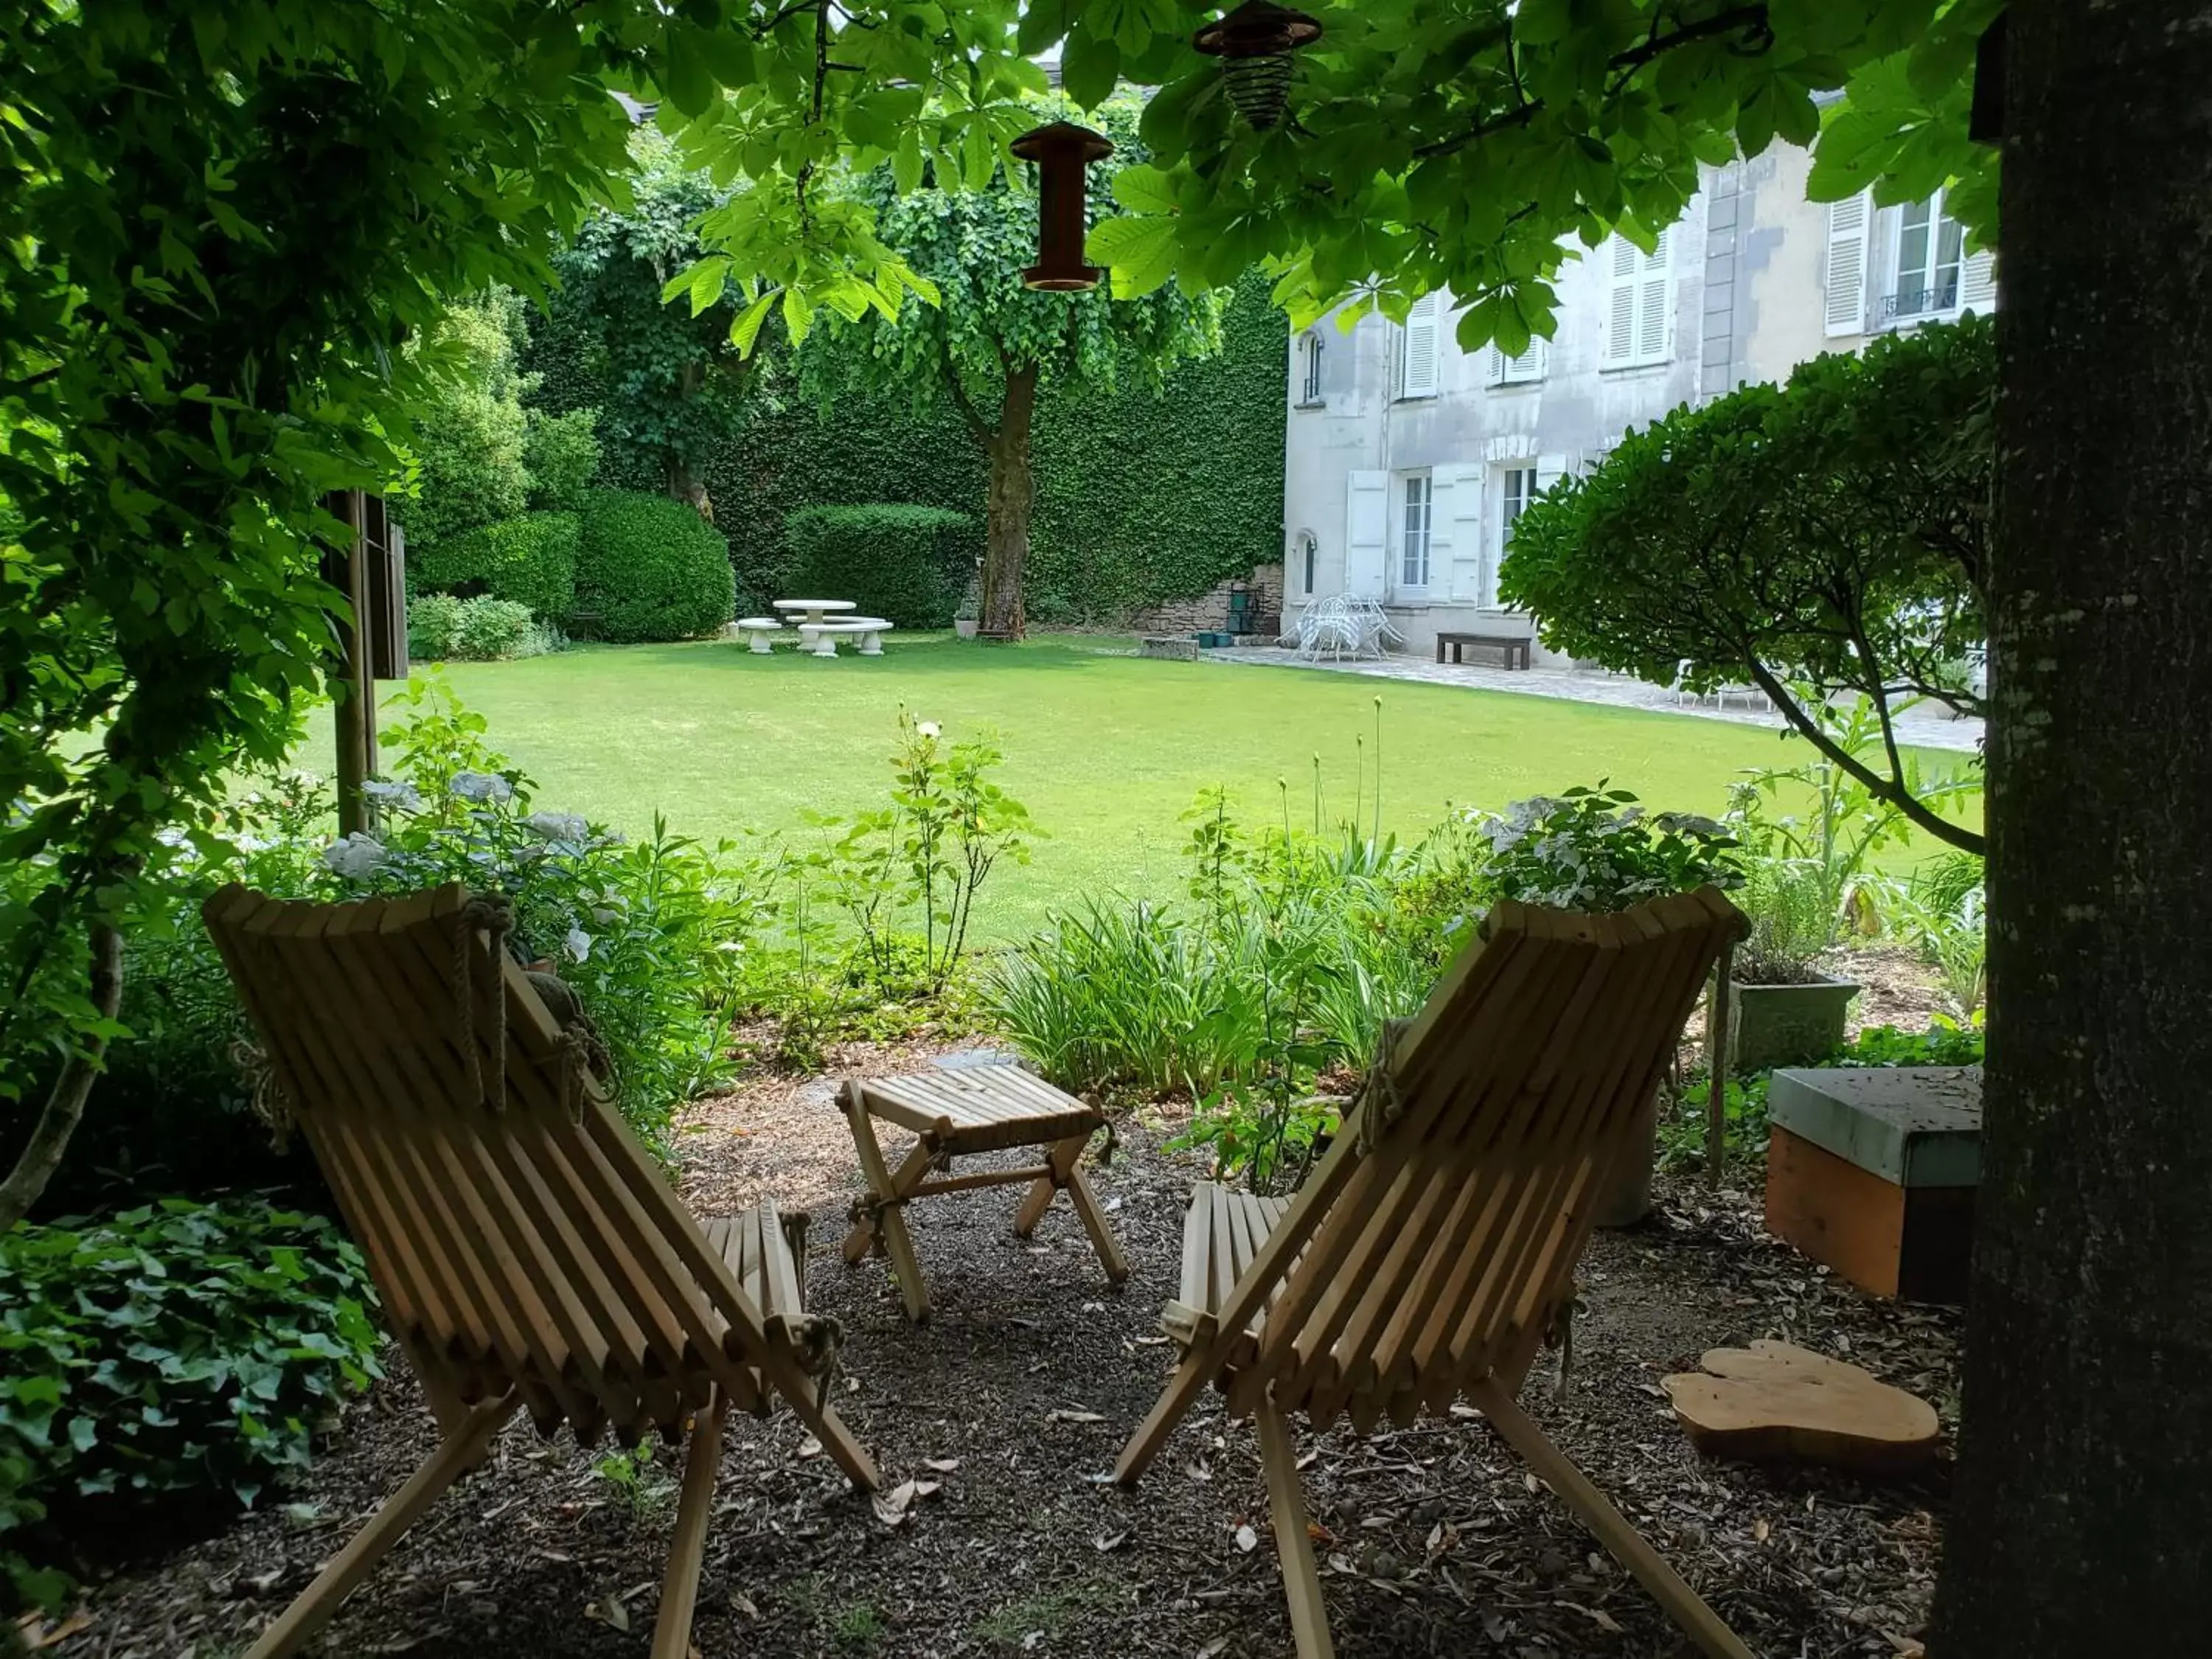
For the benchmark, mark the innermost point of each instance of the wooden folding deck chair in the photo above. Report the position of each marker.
(528, 1253)
(1428, 1253)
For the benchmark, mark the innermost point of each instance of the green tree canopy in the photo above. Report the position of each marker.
(991, 347)
(671, 385)
(1829, 535)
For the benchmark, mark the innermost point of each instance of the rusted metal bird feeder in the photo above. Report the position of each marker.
(1062, 151)
(1255, 43)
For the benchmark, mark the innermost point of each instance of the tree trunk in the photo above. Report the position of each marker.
(42, 1154)
(1006, 518)
(2082, 1520)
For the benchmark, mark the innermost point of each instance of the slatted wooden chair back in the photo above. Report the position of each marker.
(1436, 1242)
(518, 1236)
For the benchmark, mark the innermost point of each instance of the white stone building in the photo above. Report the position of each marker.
(1406, 459)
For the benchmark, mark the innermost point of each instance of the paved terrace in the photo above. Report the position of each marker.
(1922, 728)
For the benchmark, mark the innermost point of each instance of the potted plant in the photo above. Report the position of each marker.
(1597, 850)
(1785, 1010)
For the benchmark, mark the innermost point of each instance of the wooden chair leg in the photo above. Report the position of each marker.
(314, 1606)
(687, 1548)
(891, 1219)
(1286, 1507)
(805, 1400)
(1680, 1602)
(1175, 1402)
(1094, 1222)
(1066, 1162)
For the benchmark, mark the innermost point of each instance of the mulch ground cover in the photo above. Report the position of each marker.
(1009, 1407)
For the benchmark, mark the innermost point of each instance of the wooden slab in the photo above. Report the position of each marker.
(1773, 1401)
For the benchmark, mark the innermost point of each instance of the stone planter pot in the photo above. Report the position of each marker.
(964, 627)
(1788, 1024)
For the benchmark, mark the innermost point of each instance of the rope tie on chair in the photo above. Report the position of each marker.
(264, 1095)
(493, 915)
(1379, 1104)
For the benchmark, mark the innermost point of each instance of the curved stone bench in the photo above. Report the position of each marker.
(760, 632)
(865, 632)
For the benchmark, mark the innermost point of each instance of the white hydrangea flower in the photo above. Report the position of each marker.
(399, 797)
(356, 856)
(926, 728)
(578, 945)
(482, 786)
(557, 826)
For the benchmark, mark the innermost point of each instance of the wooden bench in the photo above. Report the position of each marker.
(988, 1109)
(1512, 645)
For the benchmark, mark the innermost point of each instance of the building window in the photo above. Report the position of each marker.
(1931, 250)
(1517, 490)
(1307, 550)
(1309, 350)
(1417, 347)
(1640, 303)
(1413, 544)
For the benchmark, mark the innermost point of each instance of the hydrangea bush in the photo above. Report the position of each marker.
(1597, 849)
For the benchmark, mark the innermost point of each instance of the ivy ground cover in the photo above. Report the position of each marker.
(1107, 751)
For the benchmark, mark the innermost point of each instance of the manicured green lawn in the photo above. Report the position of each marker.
(1106, 751)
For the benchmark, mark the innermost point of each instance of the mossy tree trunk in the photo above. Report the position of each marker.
(2082, 1520)
(1009, 504)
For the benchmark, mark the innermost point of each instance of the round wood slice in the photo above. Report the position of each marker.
(1774, 1400)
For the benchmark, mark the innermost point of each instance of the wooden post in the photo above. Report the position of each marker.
(353, 691)
(1716, 1064)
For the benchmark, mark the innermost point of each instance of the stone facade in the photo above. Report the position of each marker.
(1405, 457)
(1210, 610)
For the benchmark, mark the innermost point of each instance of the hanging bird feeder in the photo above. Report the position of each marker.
(1062, 151)
(1255, 43)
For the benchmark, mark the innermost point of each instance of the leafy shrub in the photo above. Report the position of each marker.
(1792, 920)
(469, 433)
(909, 565)
(442, 628)
(1597, 849)
(562, 453)
(529, 559)
(171, 1348)
(173, 1106)
(650, 568)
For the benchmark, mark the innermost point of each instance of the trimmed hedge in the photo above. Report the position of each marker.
(649, 568)
(529, 559)
(906, 564)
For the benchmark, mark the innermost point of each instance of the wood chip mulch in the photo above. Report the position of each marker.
(1015, 1399)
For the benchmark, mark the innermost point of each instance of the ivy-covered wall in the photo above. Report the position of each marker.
(1140, 500)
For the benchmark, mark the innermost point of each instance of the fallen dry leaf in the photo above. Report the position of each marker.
(1246, 1540)
(1057, 1415)
(809, 1447)
(743, 1603)
(1759, 1529)
(1599, 1616)
(942, 1465)
(34, 1638)
(1212, 1648)
(1107, 1541)
(891, 1507)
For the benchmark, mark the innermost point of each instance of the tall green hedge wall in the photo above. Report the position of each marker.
(1140, 500)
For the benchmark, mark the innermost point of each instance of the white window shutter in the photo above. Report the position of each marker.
(1503, 370)
(1366, 530)
(1844, 303)
(1978, 282)
(1418, 375)
(1654, 307)
(1456, 533)
(1620, 304)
